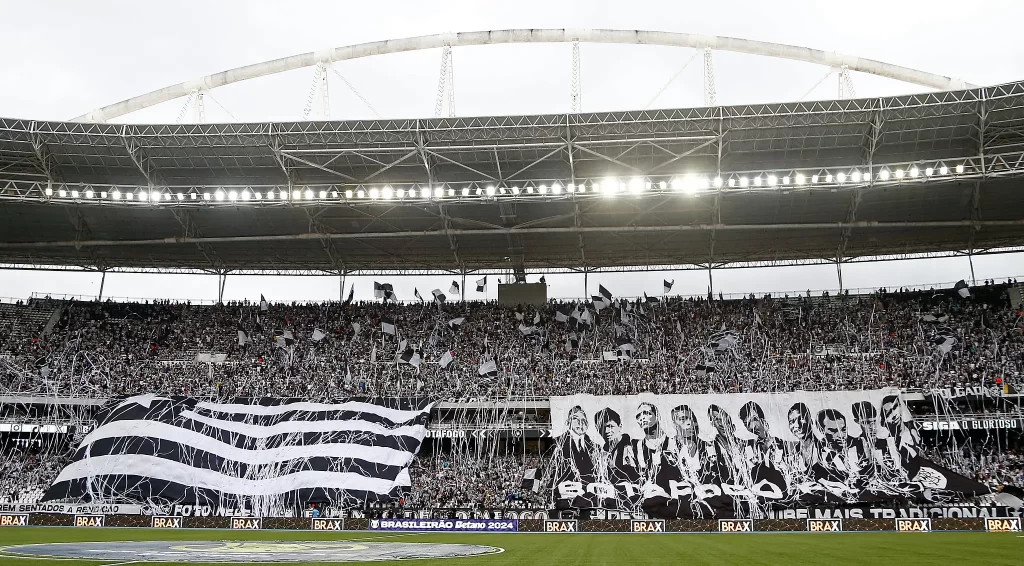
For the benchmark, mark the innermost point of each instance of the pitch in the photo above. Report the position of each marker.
(525, 549)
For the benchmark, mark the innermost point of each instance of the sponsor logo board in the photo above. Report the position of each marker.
(328, 524)
(561, 526)
(473, 525)
(163, 522)
(14, 520)
(1003, 525)
(647, 525)
(825, 525)
(247, 523)
(735, 525)
(914, 525)
(89, 520)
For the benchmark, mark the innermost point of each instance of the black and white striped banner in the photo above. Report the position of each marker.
(266, 455)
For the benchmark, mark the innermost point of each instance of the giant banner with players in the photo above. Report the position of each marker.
(739, 455)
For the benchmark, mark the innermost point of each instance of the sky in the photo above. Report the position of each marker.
(64, 58)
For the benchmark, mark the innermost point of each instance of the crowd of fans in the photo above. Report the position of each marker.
(467, 482)
(901, 338)
(994, 466)
(888, 338)
(28, 466)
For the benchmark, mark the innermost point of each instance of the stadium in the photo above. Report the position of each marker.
(517, 427)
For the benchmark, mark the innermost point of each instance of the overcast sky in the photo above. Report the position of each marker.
(64, 58)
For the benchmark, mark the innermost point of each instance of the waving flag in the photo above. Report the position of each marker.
(438, 296)
(481, 285)
(668, 285)
(387, 325)
(454, 289)
(416, 293)
(962, 289)
(267, 454)
(264, 305)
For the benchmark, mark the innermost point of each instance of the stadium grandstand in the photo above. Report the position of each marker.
(623, 402)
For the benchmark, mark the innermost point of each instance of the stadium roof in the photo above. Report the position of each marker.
(806, 181)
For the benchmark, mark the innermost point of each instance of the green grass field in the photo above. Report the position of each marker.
(859, 549)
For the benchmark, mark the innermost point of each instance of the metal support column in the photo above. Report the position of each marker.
(970, 260)
(103, 280)
(839, 271)
(222, 279)
(463, 288)
(585, 286)
(711, 284)
(341, 289)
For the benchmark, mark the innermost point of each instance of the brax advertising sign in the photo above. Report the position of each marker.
(328, 524)
(735, 526)
(561, 526)
(88, 520)
(647, 526)
(1003, 525)
(160, 522)
(14, 520)
(478, 525)
(914, 525)
(247, 523)
(825, 525)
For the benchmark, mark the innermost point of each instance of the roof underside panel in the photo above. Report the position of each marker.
(468, 230)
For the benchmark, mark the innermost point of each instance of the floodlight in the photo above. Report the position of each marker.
(62, 193)
(334, 194)
(361, 193)
(943, 170)
(115, 194)
(772, 180)
(828, 178)
(465, 191)
(374, 193)
(914, 171)
(515, 190)
(425, 192)
(490, 190)
(662, 185)
(960, 169)
(883, 174)
(246, 195)
(636, 185)
(49, 192)
(856, 176)
(400, 193)
(928, 171)
(129, 196)
(74, 194)
(785, 180)
(757, 181)
(703, 183)
(718, 182)
(348, 193)
(800, 179)
(309, 194)
(900, 173)
(103, 194)
(296, 195)
(841, 177)
(451, 192)
(556, 188)
(323, 195)
(89, 193)
(732, 182)
(438, 192)
(233, 195)
(744, 181)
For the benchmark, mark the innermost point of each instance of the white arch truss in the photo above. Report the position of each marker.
(494, 37)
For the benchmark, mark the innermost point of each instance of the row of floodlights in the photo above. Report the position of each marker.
(690, 184)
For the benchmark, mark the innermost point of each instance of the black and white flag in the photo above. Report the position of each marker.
(456, 322)
(668, 285)
(487, 367)
(416, 293)
(454, 289)
(243, 336)
(263, 455)
(318, 335)
(481, 285)
(962, 289)
(562, 313)
(356, 327)
(384, 291)
(351, 294)
(606, 294)
(651, 299)
(725, 341)
(439, 297)
(387, 325)
(264, 305)
(446, 359)
(411, 357)
(284, 339)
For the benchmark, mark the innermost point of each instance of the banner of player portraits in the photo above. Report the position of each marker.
(739, 455)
